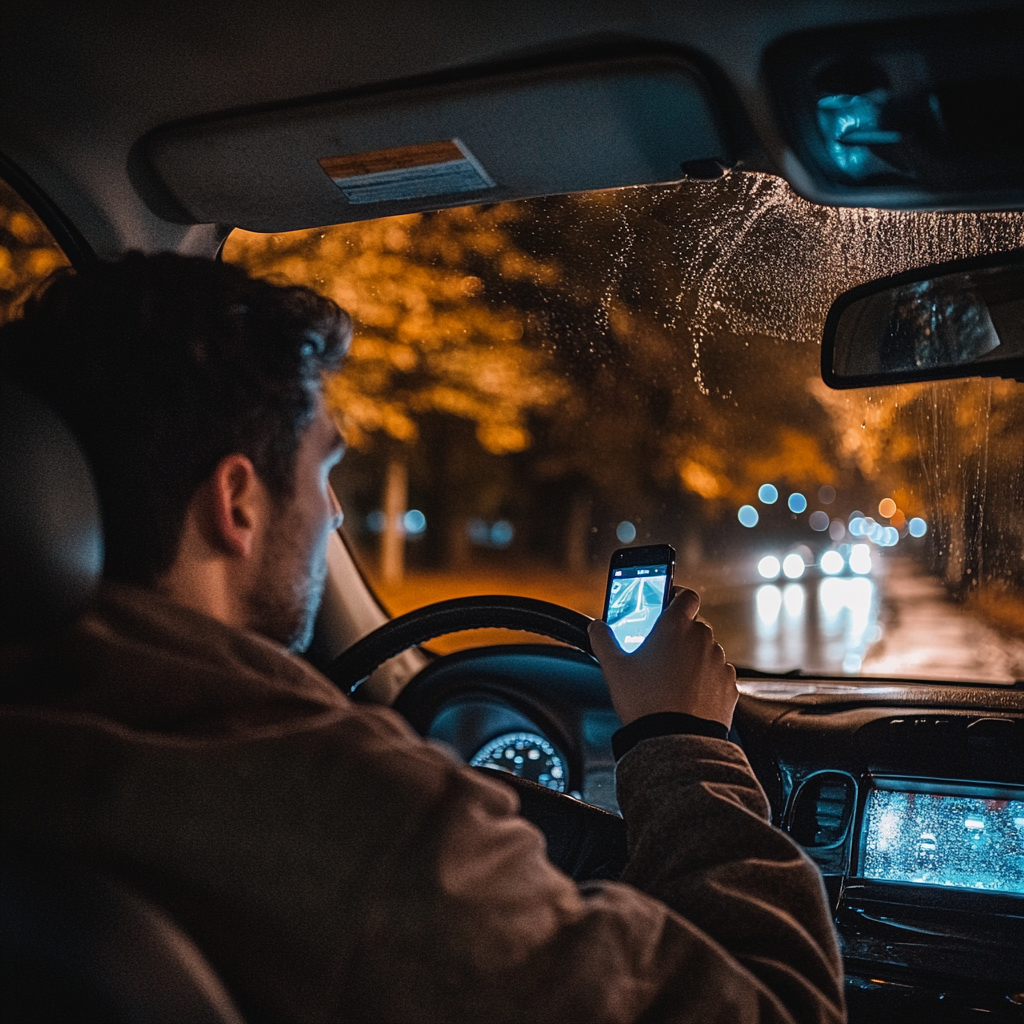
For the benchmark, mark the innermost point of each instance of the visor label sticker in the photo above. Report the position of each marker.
(407, 172)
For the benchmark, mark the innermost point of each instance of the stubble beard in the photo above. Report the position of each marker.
(283, 603)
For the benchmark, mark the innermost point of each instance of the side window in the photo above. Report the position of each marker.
(28, 252)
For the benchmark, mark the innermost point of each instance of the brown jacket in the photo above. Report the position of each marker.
(334, 866)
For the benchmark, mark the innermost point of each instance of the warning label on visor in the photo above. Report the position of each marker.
(407, 172)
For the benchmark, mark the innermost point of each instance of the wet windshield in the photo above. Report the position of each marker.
(533, 385)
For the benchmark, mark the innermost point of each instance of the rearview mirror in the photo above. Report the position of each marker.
(960, 319)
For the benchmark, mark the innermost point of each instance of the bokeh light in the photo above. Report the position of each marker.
(826, 494)
(502, 533)
(837, 530)
(797, 502)
(793, 566)
(748, 516)
(768, 493)
(769, 567)
(626, 532)
(860, 559)
(918, 527)
(832, 563)
(414, 521)
(818, 521)
(886, 508)
(852, 663)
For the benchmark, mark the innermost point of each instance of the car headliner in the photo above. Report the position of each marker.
(82, 84)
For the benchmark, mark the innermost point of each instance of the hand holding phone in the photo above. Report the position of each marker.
(639, 588)
(682, 668)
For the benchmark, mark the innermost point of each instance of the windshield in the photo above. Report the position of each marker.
(532, 385)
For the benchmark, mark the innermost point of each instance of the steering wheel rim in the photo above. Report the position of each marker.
(488, 611)
(584, 841)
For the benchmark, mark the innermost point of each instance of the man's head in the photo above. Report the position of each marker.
(195, 392)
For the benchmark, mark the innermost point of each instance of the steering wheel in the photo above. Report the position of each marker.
(583, 840)
(493, 611)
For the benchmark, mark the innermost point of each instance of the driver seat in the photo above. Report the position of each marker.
(75, 945)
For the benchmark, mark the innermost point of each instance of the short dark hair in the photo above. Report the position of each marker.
(162, 365)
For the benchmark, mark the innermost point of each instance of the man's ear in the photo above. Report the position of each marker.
(238, 505)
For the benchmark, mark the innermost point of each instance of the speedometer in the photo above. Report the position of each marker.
(524, 754)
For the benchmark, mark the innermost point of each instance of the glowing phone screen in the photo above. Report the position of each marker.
(636, 597)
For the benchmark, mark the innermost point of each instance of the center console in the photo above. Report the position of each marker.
(917, 825)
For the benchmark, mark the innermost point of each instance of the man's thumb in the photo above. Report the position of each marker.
(602, 640)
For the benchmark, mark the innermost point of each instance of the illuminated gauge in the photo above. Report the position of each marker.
(524, 754)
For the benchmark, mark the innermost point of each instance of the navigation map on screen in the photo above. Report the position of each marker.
(635, 600)
(935, 839)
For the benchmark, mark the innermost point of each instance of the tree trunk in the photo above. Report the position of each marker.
(392, 539)
(457, 551)
(577, 534)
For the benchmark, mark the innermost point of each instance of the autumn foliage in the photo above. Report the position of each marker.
(643, 354)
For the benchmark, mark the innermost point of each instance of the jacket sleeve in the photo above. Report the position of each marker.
(699, 841)
(723, 919)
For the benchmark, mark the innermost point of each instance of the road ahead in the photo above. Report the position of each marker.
(896, 623)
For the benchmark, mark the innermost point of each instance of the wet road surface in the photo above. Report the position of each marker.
(896, 622)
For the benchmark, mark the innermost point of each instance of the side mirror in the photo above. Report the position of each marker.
(959, 319)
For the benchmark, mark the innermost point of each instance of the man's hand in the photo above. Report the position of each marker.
(679, 667)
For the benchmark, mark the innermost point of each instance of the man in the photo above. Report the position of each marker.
(332, 865)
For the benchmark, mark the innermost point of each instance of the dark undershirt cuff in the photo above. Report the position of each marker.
(664, 723)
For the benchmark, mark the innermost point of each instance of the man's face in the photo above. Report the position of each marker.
(292, 565)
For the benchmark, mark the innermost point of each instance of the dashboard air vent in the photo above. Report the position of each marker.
(822, 810)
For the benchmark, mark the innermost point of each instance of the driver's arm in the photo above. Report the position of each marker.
(724, 919)
(697, 819)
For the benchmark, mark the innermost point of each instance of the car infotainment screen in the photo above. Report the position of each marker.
(959, 839)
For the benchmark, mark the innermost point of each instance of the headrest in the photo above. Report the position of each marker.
(51, 538)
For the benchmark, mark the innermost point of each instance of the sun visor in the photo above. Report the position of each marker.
(628, 121)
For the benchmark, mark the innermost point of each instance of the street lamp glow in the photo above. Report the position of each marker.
(748, 516)
(832, 563)
(793, 566)
(797, 502)
(860, 559)
(918, 527)
(769, 567)
(768, 493)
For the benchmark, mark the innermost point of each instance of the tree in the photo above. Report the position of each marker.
(427, 340)
(580, 327)
(28, 253)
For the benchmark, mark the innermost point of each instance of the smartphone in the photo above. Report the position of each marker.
(639, 587)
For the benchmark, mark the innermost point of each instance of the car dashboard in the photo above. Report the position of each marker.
(908, 796)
